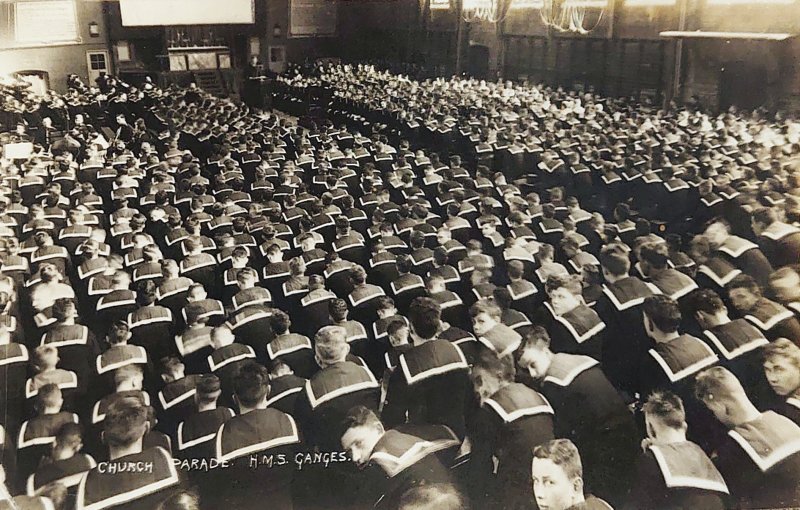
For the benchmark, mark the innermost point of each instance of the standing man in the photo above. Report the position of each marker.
(251, 90)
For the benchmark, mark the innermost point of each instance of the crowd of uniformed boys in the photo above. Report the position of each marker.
(425, 291)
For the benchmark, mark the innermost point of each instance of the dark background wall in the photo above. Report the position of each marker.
(623, 55)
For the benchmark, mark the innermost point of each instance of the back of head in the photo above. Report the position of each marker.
(330, 345)
(663, 312)
(181, 501)
(126, 422)
(501, 367)
(129, 374)
(251, 384)
(208, 389)
(49, 396)
(425, 314)
(717, 384)
(337, 309)
(706, 301)
(656, 255)
(667, 408)
(438, 496)
(614, 261)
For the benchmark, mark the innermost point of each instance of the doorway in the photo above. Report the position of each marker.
(97, 63)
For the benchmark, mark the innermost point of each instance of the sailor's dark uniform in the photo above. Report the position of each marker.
(112, 307)
(296, 351)
(284, 391)
(152, 327)
(747, 257)
(405, 288)
(590, 412)
(14, 360)
(781, 244)
(176, 402)
(67, 472)
(130, 489)
(76, 349)
(620, 308)
(251, 325)
(225, 363)
(265, 436)
(405, 458)
(672, 365)
(501, 339)
(738, 344)
(172, 293)
(430, 386)
(363, 302)
(209, 309)
(197, 433)
(118, 356)
(329, 394)
(676, 475)
(774, 320)
(194, 346)
(760, 461)
(524, 295)
(510, 424)
(36, 437)
(579, 331)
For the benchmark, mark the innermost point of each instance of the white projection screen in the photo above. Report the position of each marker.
(185, 12)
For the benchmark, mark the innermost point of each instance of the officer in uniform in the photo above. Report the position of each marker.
(513, 419)
(760, 459)
(393, 461)
(114, 484)
(258, 447)
(588, 410)
(431, 383)
(673, 472)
